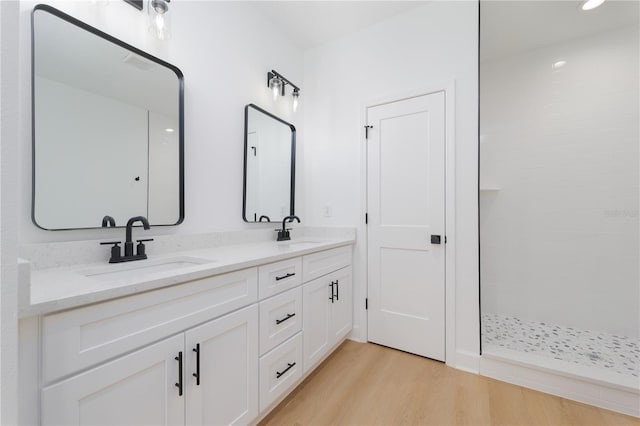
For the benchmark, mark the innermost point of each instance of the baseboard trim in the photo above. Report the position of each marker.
(465, 361)
(592, 392)
(356, 335)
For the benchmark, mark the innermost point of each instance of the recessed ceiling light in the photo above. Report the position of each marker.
(169, 130)
(559, 64)
(591, 4)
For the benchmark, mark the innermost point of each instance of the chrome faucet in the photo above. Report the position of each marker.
(117, 257)
(283, 234)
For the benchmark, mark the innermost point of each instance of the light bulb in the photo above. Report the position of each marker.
(275, 83)
(591, 4)
(296, 96)
(159, 19)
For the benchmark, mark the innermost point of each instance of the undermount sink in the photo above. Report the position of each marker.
(142, 268)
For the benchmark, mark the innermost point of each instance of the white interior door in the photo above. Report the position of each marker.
(406, 206)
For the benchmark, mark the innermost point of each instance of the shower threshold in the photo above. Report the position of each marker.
(605, 358)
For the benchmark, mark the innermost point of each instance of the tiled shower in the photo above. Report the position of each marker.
(559, 186)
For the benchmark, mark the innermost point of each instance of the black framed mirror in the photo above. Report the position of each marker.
(269, 166)
(107, 126)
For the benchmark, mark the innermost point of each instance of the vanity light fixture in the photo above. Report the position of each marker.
(591, 4)
(159, 18)
(277, 83)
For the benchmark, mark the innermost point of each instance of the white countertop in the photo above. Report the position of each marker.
(56, 289)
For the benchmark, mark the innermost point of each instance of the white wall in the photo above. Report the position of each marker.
(560, 237)
(431, 45)
(9, 219)
(224, 50)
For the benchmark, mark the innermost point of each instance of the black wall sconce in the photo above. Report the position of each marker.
(277, 82)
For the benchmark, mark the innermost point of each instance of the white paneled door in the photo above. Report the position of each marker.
(406, 225)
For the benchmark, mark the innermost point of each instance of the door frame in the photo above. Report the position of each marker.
(448, 87)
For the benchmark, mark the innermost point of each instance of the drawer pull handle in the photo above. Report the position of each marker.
(290, 274)
(334, 296)
(179, 384)
(281, 373)
(197, 373)
(280, 321)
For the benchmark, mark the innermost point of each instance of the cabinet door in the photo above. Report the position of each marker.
(341, 310)
(227, 392)
(315, 323)
(136, 389)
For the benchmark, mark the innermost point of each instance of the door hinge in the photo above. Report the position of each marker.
(366, 131)
(445, 239)
(366, 303)
(366, 218)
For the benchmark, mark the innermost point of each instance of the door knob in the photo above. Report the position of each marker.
(435, 239)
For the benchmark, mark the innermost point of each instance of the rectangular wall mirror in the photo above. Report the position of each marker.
(269, 166)
(107, 128)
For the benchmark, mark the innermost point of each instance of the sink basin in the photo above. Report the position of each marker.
(142, 268)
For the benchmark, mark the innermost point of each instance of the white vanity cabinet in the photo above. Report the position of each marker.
(328, 307)
(126, 382)
(207, 375)
(223, 349)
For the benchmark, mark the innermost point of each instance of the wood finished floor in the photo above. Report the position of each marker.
(367, 384)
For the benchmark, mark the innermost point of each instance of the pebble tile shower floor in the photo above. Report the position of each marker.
(614, 353)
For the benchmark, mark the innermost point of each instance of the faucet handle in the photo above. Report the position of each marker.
(140, 248)
(115, 250)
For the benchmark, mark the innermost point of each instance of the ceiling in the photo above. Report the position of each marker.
(312, 23)
(529, 24)
(510, 27)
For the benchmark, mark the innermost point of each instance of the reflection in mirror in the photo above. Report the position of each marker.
(107, 128)
(269, 166)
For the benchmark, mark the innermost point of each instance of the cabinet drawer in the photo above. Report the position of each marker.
(79, 338)
(279, 370)
(277, 277)
(280, 318)
(318, 264)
